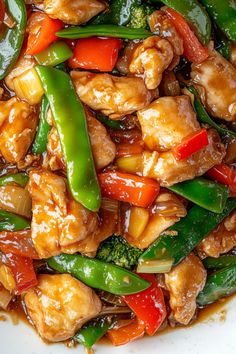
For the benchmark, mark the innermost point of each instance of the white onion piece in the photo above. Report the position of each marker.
(15, 200)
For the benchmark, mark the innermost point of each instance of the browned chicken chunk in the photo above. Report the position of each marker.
(184, 283)
(114, 96)
(18, 121)
(73, 12)
(215, 79)
(220, 240)
(59, 305)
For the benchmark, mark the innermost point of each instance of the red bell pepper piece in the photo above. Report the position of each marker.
(126, 334)
(224, 174)
(140, 191)
(126, 149)
(23, 272)
(18, 242)
(148, 305)
(193, 49)
(191, 144)
(96, 53)
(43, 33)
(2, 10)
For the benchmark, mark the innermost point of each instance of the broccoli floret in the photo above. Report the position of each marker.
(118, 251)
(139, 16)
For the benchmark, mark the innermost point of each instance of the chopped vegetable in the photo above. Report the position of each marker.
(123, 335)
(55, 54)
(140, 191)
(15, 199)
(2, 10)
(219, 284)
(220, 262)
(71, 124)
(127, 149)
(114, 124)
(99, 274)
(155, 266)
(138, 220)
(140, 15)
(96, 53)
(12, 222)
(225, 175)
(190, 145)
(180, 239)
(130, 164)
(19, 178)
(118, 251)
(207, 194)
(222, 44)
(41, 139)
(148, 305)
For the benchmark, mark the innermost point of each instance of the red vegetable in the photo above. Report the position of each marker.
(18, 242)
(127, 149)
(193, 49)
(96, 53)
(224, 174)
(140, 191)
(2, 10)
(191, 144)
(42, 32)
(126, 334)
(23, 272)
(148, 305)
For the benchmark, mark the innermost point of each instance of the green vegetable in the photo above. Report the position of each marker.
(18, 178)
(111, 123)
(204, 117)
(55, 54)
(92, 331)
(203, 192)
(222, 44)
(71, 125)
(139, 16)
(154, 266)
(12, 222)
(41, 139)
(196, 15)
(103, 31)
(219, 284)
(220, 262)
(12, 38)
(180, 239)
(117, 250)
(223, 12)
(98, 274)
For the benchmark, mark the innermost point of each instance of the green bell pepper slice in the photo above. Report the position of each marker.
(55, 54)
(223, 12)
(98, 274)
(41, 139)
(12, 222)
(92, 331)
(203, 192)
(204, 117)
(71, 125)
(12, 39)
(196, 15)
(180, 239)
(109, 30)
(222, 44)
(219, 284)
(18, 178)
(220, 262)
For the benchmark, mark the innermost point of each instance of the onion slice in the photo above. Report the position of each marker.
(15, 200)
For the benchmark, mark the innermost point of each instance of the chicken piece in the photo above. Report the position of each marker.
(114, 96)
(58, 221)
(18, 122)
(184, 283)
(54, 158)
(215, 79)
(59, 305)
(160, 24)
(165, 168)
(73, 12)
(166, 121)
(220, 240)
(150, 59)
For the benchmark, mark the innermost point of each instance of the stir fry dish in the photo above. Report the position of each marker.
(117, 164)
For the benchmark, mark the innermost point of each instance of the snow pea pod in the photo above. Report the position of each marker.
(103, 31)
(99, 274)
(71, 125)
(18, 178)
(180, 239)
(219, 284)
(220, 262)
(12, 39)
(203, 192)
(41, 139)
(55, 54)
(12, 222)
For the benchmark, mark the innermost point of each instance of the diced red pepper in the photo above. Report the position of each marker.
(126, 149)
(193, 49)
(139, 191)
(2, 10)
(224, 174)
(148, 305)
(191, 144)
(96, 53)
(18, 242)
(126, 334)
(42, 33)
(23, 272)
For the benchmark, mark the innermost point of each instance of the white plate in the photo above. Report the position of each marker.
(211, 337)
